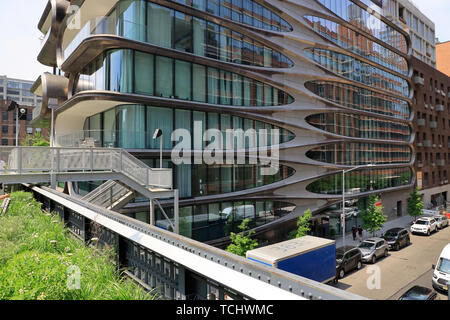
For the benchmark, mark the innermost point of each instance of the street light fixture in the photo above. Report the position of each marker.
(158, 134)
(343, 196)
(20, 114)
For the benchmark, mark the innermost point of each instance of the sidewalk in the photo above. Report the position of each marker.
(401, 222)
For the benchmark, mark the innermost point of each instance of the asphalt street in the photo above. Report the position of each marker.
(393, 275)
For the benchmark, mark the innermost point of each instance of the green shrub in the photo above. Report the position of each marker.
(36, 252)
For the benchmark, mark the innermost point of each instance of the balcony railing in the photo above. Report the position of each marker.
(433, 124)
(421, 122)
(427, 143)
(42, 160)
(128, 139)
(439, 107)
(419, 80)
(440, 163)
(105, 25)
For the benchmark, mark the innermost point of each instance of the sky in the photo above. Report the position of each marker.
(20, 44)
(19, 38)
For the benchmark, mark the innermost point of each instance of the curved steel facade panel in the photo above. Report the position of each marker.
(369, 113)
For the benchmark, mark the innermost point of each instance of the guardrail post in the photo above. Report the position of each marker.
(58, 163)
(19, 160)
(152, 212)
(120, 161)
(92, 159)
(176, 211)
(148, 179)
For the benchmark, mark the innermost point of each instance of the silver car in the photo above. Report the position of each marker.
(372, 249)
(442, 221)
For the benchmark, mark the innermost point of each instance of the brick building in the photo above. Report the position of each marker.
(432, 127)
(443, 57)
(19, 91)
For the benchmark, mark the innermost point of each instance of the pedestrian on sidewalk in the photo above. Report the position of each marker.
(360, 230)
(354, 230)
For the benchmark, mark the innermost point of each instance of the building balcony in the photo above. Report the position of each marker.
(419, 80)
(433, 124)
(439, 107)
(419, 144)
(419, 164)
(421, 122)
(427, 143)
(51, 88)
(50, 25)
(440, 163)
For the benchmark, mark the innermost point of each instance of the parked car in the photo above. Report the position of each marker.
(348, 258)
(372, 249)
(419, 293)
(397, 238)
(442, 221)
(425, 225)
(441, 274)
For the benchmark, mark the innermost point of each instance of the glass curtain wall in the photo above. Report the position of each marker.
(360, 98)
(362, 181)
(216, 220)
(143, 73)
(165, 27)
(354, 154)
(360, 18)
(358, 126)
(132, 126)
(356, 70)
(357, 43)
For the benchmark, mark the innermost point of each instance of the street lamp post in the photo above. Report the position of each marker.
(158, 134)
(343, 196)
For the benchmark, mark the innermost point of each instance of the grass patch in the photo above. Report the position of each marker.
(39, 259)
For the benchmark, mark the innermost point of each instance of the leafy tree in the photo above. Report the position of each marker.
(36, 141)
(373, 218)
(241, 242)
(303, 225)
(415, 204)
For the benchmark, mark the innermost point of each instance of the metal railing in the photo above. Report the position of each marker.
(107, 194)
(35, 160)
(207, 261)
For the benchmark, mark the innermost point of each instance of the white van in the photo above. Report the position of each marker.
(247, 211)
(441, 275)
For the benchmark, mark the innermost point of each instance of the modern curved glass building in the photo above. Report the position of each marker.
(323, 85)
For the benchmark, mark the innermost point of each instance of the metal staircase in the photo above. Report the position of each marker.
(111, 195)
(127, 176)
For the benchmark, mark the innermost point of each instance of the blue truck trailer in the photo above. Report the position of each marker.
(310, 257)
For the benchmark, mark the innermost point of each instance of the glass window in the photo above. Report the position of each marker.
(159, 118)
(144, 73)
(164, 80)
(121, 71)
(155, 75)
(213, 86)
(199, 43)
(131, 126)
(160, 25)
(183, 32)
(199, 83)
(182, 80)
